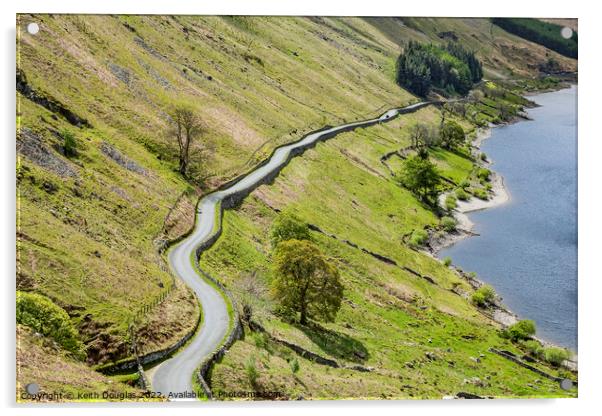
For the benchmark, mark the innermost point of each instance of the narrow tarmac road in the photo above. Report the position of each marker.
(173, 377)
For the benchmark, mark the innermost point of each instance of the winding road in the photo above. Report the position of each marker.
(173, 377)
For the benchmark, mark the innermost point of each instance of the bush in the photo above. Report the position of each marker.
(449, 223)
(478, 299)
(533, 347)
(555, 355)
(251, 371)
(483, 174)
(451, 202)
(69, 144)
(464, 184)
(418, 238)
(447, 261)
(483, 296)
(45, 317)
(483, 157)
(287, 226)
(521, 330)
(262, 341)
(461, 194)
(481, 194)
(294, 365)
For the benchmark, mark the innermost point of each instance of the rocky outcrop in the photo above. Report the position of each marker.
(121, 160)
(32, 147)
(49, 103)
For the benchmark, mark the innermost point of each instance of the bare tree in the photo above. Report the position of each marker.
(423, 136)
(475, 96)
(187, 127)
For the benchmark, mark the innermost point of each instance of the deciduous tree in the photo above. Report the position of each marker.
(188, 126)
(306, 282)
(420, 176)
(452, 135)
(288, 226)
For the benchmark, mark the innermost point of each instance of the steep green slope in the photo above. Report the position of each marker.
(503, 54)
(543, 33)
(410, 325)
(61, 378)
(90, 224)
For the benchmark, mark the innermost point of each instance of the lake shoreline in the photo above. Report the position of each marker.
(499, 195)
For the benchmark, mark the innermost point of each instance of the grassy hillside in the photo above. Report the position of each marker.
(90, 223)
(541, 32)
(56, 373)
(503, 54)
(418, 338)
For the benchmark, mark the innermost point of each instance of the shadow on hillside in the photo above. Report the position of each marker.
(335, 343)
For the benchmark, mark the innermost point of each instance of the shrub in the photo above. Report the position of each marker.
(533, 347)
(483, 174)
(294, 365)
(418, 238)
(262, 341)
(251, 371)
(483, 296)
(464, 184)
(45, 317)
(481, 194)
(524, 329)
(478, 299)
(483, 157)
(461, 194)
(449, 223)
(451, 202)
(447, 261)
(555, 355)
(287, 226)
(69, 144)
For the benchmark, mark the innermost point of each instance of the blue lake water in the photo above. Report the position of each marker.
(527, 248)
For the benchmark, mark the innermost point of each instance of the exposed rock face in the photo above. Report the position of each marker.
(32, 147)
(121, 160)
(48, 102)
(122, 74)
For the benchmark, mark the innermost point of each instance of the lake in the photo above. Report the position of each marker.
(527, 248)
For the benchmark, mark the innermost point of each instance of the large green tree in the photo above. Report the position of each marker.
(452, 135)
(306, 282)
(420, 176)
(287, 226)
